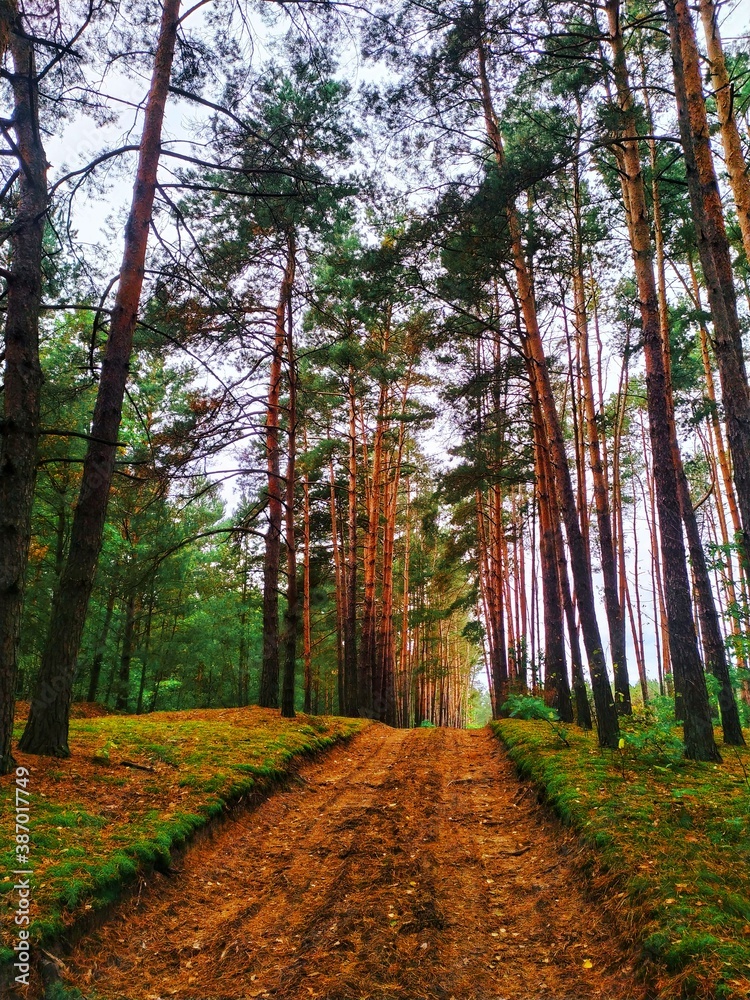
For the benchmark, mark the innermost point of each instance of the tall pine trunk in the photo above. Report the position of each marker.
(47, 727)
(101, 646)
(350, 625)
(126, 656)
(713, 248)
(725, 94)
(699, 739)
(387, 644)
(19, 428)
(606, 713)
(269, 677)
(306, 609)
(557, 685)
(612, 603)
(292, 605)
(369, 688)
(339, 592)
(712, 640)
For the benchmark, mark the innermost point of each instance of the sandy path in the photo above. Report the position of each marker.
(407, 864)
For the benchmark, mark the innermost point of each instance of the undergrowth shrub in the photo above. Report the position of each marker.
(651, 735)
(531, 709)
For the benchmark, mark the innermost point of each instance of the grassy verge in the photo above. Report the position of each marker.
(98, 822)
(673, 839)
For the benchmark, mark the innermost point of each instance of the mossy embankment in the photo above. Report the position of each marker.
(669, 841)
(136, 789)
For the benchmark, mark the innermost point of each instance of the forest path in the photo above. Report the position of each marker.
(406, 864)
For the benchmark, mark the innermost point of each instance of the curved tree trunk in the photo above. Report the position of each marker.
(47, 728)
(612, 604)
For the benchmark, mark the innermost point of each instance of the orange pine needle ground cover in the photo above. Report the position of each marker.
(97, 821)
(673, 840)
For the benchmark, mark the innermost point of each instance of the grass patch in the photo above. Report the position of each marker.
(97, 821)
(673, 837)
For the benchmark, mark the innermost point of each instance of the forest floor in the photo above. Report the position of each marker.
(405, 864)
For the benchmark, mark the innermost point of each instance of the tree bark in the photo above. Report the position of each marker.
(606, 713)
(47, 727)
(612, 603)
(269, 677)
(369, 688)
(126, 655)
(350, 630)
(713, 249)
(306, 619)
(19, 429)
(143, 647)
(292, 605)
(339, 591)
(557, 685)
(387, 646)
(101, 646)
(712, 640)
(698, 730)
(724, 92)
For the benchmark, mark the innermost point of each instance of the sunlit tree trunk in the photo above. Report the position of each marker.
(712, 640)
(710, 630)
(387, 648)
(718, 434)
(557, 685)
(724, 92)
(713, 248)
(369, 687)
(405, 685)
(500, 644)
(664, 662)
(636, 620)
(243, 667)
(339, 592)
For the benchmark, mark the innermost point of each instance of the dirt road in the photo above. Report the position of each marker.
(407, 864)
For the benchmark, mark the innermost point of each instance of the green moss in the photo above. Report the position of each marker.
(673, 835)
